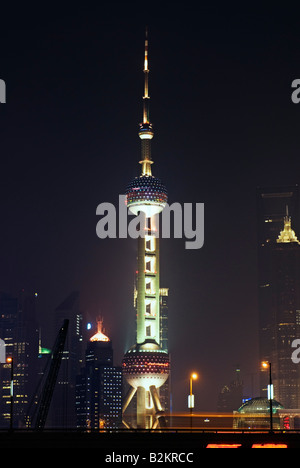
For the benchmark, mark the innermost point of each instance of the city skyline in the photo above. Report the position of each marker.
(225, 125)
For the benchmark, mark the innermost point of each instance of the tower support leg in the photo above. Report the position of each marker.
(141, 408)
(159, 413)
(130, 394)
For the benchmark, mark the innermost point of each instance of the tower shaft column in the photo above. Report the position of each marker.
(148, 313)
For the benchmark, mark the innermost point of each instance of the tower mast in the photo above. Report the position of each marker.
(146, 132)
(146, 365)
(146, 83)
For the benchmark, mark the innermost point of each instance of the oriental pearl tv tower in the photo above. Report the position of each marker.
(145, 365)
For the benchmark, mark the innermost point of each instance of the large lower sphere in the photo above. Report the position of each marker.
(145, 367)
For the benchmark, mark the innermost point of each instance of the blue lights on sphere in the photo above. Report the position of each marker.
(146, 191)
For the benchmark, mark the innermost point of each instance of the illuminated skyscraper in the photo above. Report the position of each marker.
(99, 386)
(19, 330)
(279, 291)
(285, 289)
(146, 364)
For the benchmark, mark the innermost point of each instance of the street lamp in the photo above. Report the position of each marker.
(191, 398)
(266, 365)
(10, 361)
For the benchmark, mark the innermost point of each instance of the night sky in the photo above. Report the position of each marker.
(224, 123)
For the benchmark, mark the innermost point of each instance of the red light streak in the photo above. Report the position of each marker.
(223, 446)
(269, 446)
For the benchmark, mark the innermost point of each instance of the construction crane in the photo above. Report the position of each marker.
(50, 382)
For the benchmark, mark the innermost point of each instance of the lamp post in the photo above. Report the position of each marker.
(266, 365)
(10, 361)
(191, 398)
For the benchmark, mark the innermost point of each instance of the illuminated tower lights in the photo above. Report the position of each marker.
(145, 365)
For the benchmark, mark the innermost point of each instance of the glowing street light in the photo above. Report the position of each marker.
(265, 365)
(191, 398)
(10, 361)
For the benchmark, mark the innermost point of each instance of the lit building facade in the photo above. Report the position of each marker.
(285, 281)
(165, 392)
(279, 291)
(19, 331)
(164, 316)
(99, 386)
(146, 364)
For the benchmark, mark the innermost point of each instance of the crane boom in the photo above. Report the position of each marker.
(52, 376)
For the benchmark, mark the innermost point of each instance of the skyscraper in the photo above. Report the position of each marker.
(279, 290)
(165, 391)
(146, 364)
(285, 282)
(99, 386)
(62, 412)
(230, 396)
(19, 330)
(271, 210)
(164, 337)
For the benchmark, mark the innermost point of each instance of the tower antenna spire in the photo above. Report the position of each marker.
(146, 81)
(146, 132)
(146, 50)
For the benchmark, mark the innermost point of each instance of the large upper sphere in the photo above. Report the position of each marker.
(147, 194)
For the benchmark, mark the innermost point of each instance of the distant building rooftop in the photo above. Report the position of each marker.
(259, 405)
(99, 336)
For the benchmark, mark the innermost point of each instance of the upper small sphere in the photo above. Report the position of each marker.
(146, 132)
